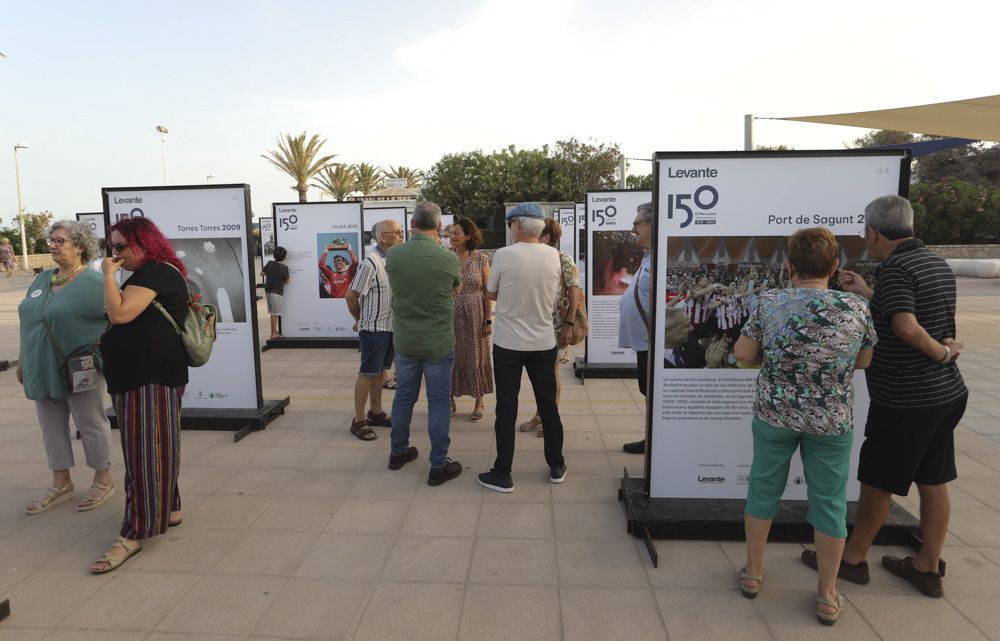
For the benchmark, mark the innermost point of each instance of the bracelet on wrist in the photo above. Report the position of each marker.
(568, 322)
(947, 355)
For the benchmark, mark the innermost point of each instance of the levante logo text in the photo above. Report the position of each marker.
(711, 479)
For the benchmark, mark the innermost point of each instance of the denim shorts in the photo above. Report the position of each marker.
(376, 352)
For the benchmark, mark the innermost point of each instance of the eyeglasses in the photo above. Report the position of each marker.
(55, 240)
(510, 222)
(119, 247)
(398, 232)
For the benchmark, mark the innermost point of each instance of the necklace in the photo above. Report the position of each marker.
(62, 280)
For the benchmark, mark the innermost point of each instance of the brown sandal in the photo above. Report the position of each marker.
(361, 430)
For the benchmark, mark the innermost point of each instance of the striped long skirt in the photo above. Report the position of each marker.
(149, 419)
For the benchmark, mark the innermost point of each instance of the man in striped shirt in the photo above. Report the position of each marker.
(370, 301)
(917, 395)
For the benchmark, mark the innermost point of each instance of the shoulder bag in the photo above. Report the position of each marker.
(198, 335)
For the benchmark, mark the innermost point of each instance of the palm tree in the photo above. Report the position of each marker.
(298, 159)
(414, 177)
(337, 179)
(369, 177)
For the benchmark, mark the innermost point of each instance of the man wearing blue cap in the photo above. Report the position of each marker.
(525, 282)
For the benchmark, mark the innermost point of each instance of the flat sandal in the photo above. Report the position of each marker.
(748, 592)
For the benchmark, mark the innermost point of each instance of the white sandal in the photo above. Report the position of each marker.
(52, 496)
(96, 496)
(114, 561)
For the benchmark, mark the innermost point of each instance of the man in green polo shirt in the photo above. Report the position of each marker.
(423, 277)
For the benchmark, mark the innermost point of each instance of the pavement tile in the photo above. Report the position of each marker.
(420, 612)
(223, 604)
(446, 518)
(132, 601)
(600, 564)
(314, 609)
(792, 617)
(266, 553)
(515, 562)
(711, 615)
(296, 514)
(183, 549)
(48, 596)
(611, 614)
(502, 613)
(588, 520)
(346, 556)
(368, 516)
(516, 520)
(224, 511)
(429, 558)
(914, 617)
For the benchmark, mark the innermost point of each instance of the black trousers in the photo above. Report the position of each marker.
(641, 361)
(507, 366)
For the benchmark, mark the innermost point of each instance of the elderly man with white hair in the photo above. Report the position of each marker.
(525, 282)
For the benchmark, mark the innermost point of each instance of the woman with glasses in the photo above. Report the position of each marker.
(62, 315)
(472, 374)
(146, 367)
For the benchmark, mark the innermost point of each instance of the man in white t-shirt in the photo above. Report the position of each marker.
(525, 281)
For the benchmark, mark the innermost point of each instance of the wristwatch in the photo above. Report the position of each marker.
(488, 322)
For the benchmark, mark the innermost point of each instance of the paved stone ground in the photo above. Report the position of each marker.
(300, 532)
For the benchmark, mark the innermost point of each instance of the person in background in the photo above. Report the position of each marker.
(917, 395)
(525, 281)
(146, 367)
(62, 315)
(424, 278)
(808, 340)
(564, 311)
(102, 252)
(472, 374)
(369, 300)
(275, 275)
(7, 256)
(633, 309)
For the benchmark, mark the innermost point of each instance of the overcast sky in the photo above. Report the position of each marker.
(402, 83)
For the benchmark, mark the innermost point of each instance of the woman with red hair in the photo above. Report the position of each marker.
(146, 368)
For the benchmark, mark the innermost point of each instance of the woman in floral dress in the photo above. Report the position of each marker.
(472, 374)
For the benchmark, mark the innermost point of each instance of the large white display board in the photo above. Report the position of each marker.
(209, 227)
(323, 241)
(372, 215)
(567, 220)
(267, 243)
(613, 257)
(446, 219)
(96, 222)
(580, 253)
(724, 217)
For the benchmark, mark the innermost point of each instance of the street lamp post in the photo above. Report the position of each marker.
(20, 206)
(163, 131)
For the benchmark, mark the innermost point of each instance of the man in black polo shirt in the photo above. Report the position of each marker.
(917, 395)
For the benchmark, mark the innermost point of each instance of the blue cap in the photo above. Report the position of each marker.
(526, 210)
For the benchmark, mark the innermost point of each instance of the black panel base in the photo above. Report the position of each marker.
(241, 421)
(584, 370)
(4, 609)
(722, 519)
(296, 343)
(6, 365)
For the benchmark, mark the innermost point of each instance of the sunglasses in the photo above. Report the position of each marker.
(119, 247)
(510, 222)
(55, 240)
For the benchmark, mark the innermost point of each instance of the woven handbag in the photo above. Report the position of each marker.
(198, 335)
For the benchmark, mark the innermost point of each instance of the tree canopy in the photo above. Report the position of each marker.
(475, 184)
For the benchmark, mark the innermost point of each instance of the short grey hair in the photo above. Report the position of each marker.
(645, 211)
(81, 234)
(891, 216)
(531, 227)
(426, 216)
(376, 228)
